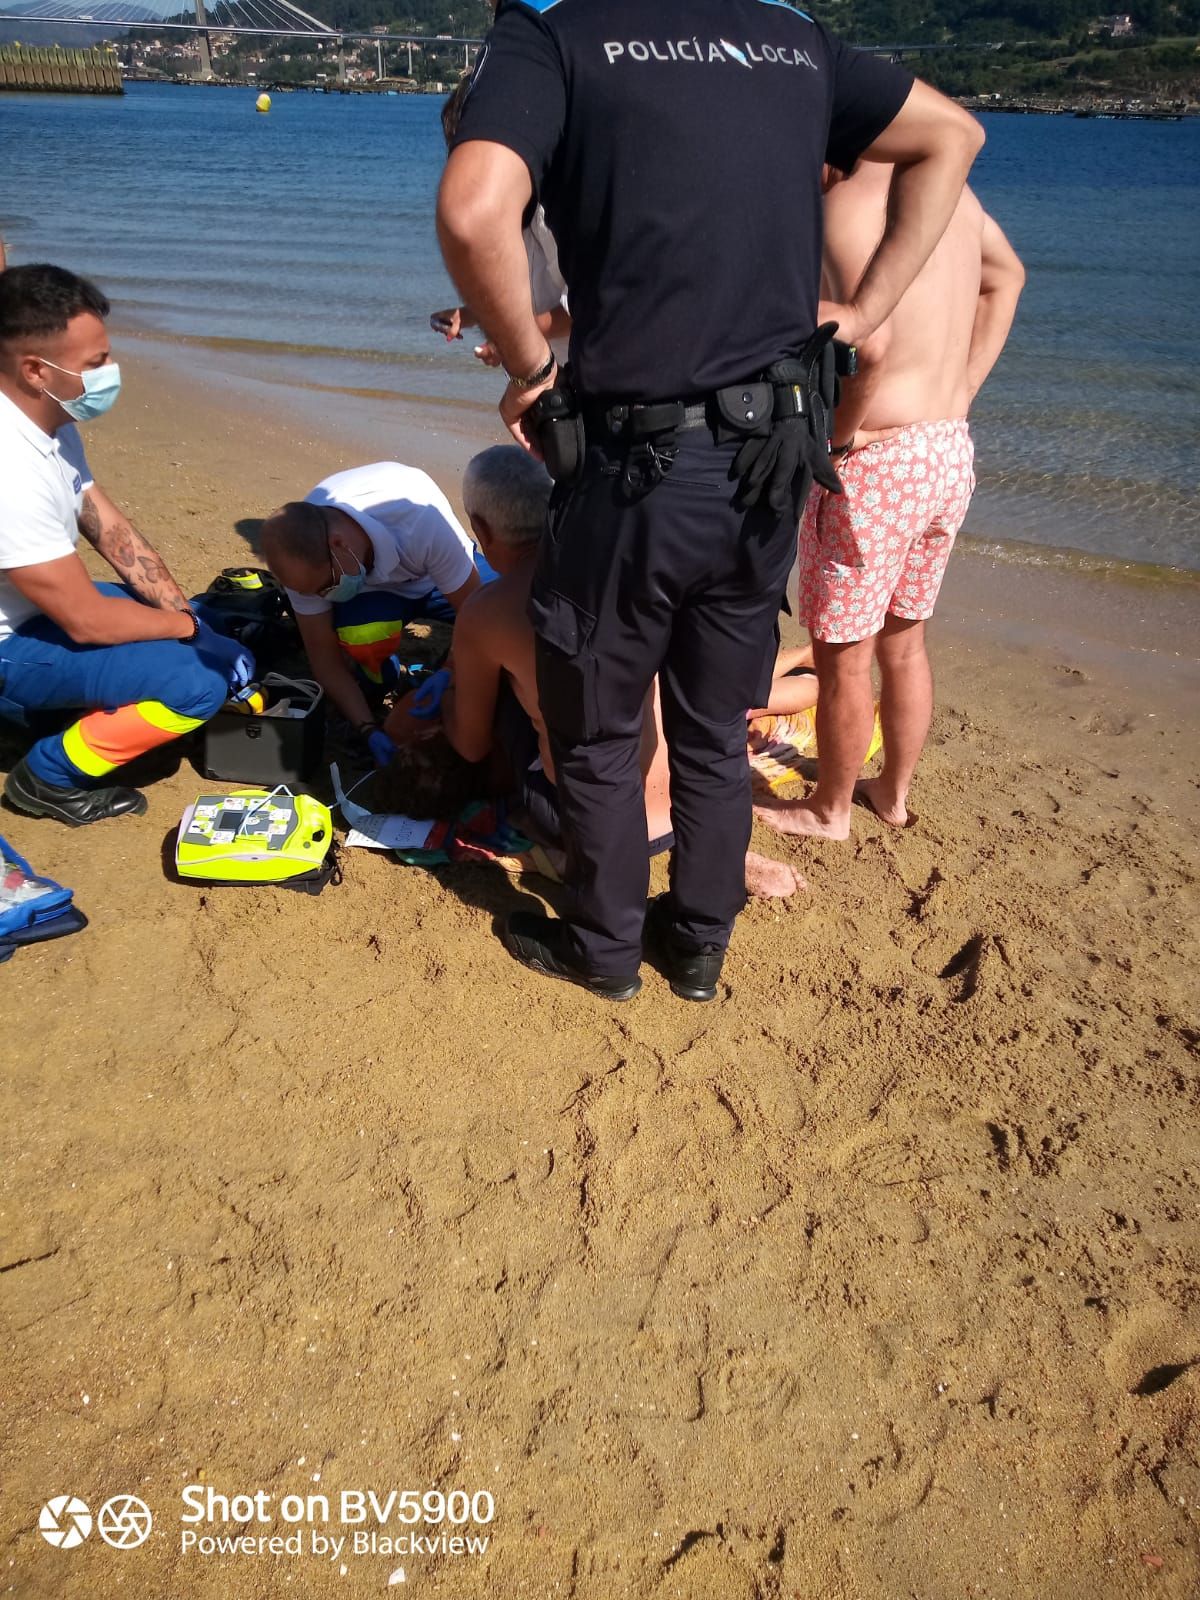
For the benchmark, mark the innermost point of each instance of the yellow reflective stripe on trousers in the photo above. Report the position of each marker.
(167, 721)
(80, 754)
(106, 739)
(370, 632)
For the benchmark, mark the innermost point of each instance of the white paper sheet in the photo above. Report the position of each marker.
(378, 830)
(390, 833)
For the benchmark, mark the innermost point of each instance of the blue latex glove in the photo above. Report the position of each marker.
(427, 701)
(227, 655)
(381, 747)
(206, 617)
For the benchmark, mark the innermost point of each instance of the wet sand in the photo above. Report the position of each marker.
(876, 1278)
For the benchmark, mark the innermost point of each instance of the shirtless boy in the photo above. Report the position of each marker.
(872, 560)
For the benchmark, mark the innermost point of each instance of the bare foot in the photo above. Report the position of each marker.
(771, 880)
(801, 817)
(868, 792)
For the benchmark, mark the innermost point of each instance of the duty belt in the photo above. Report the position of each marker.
(635, 421)
(795, 394)
(650, 431)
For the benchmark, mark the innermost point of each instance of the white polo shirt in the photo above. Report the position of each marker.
(43, 477)
(418, 542)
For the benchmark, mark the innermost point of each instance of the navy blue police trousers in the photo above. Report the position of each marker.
(675, 581)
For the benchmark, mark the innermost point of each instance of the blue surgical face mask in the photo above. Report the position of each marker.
(101, 386)
(348, 585)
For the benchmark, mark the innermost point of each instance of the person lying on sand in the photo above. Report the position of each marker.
(365, 552)
(872, 560)
(489, 698)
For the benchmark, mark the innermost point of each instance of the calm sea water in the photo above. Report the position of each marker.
(303, 243)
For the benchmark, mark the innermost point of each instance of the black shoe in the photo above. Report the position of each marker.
(76, 807)
(541, 943)
(692, 974)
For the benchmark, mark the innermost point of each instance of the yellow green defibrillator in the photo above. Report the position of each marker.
(256, 836)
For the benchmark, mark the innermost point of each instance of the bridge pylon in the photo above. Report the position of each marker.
(206, 70)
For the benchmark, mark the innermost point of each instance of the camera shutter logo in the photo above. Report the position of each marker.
(65, 1521)
(124, 1522)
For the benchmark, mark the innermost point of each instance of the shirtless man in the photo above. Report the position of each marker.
(872, 561)
(491, 697)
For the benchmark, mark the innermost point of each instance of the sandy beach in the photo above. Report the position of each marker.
(876, 1279)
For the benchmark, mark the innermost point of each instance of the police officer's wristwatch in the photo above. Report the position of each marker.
(534, 378)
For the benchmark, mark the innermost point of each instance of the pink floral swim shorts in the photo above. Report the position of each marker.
(883, 546)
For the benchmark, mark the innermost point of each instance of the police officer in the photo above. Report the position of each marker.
(676, 147)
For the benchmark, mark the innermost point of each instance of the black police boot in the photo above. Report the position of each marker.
(76, 807)
(542, 944)
(691, 973)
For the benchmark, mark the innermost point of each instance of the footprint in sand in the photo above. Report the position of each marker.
(1152, 1350)
(699, 1570)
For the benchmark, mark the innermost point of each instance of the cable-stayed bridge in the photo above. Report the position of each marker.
(271, 18)
(280, 19)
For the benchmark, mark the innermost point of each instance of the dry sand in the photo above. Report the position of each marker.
(875, 1279)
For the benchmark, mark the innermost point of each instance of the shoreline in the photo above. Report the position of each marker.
(373, 417)
(1136, 625)
(328, 1193)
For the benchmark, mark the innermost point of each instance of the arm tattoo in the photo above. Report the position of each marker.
(89, 522)
(132, 557)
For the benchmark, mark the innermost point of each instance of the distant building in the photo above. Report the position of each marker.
(1119, 26)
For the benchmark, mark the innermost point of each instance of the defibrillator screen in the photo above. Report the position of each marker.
(217, 821)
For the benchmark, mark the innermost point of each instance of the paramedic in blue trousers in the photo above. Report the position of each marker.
(676, 147)
(139, 664)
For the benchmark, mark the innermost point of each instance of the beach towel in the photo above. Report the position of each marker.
(481, 832)
(781, 750)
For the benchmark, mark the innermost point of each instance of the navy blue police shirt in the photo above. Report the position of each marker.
(677, 148)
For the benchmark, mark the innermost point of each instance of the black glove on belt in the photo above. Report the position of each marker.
(786, 461)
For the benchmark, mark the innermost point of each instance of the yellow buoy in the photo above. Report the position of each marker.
(263, 103)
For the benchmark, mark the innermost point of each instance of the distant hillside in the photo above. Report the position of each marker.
(1052, 48)
(467, 18)
(916, 22)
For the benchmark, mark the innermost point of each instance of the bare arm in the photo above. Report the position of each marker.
(858, 392)
(458, 597)
(484, 194)
(330, 669)
(554, 324)
(1000, 285)
(790, 694)
(131, 556)
(932, 143)
(854, 209)
(469, 704)
(67, 595)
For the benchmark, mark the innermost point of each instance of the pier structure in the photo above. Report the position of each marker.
(49, 69)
